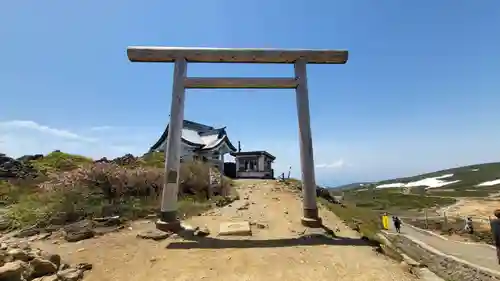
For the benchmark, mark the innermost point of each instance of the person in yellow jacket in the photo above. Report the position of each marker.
(385, 221)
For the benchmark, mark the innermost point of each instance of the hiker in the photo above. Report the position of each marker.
(495, 229)
(397, 223)
(385, 221)
(468, 225)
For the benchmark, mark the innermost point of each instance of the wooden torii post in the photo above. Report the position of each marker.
(168, 220)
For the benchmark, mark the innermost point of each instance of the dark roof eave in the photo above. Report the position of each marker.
(199, 146)
(160, 140)
(164, 136)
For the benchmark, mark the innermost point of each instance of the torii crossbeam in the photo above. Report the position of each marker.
(168, 220)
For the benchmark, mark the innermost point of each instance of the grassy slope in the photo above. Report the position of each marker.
(468, 177)
(80, 188)
(364, 203)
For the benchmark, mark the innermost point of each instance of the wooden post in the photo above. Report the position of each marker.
(426, 219)
(310, 210)
(445, 222)
(168, 213)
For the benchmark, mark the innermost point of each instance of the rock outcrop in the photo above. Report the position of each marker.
(125, 160)
(17, 168)
(20, 262)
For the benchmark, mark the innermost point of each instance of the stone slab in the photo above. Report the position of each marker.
(235, 228)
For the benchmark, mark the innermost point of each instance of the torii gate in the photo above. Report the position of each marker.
(168, 220)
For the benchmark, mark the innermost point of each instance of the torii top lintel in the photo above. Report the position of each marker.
(238, 55)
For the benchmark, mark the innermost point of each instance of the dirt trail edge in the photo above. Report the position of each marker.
(277, 249)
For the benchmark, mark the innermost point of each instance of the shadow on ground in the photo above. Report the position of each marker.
(325, 238)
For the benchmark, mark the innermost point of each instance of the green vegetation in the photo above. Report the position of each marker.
(366, 221)
(391, 200)
(365, 203)
(73, 187)
(467, 177)
(58, 162)
(454, 226)
(460, 193)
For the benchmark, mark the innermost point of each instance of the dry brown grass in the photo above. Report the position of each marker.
(106, 188)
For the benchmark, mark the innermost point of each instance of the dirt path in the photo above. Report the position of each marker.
(272, 253)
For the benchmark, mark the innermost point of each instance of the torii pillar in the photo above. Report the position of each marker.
(168, 220)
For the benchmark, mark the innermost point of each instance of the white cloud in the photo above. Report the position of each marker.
(19, 138)
(31, 125)
(334, 165)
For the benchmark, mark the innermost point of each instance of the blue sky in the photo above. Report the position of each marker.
(420, 91)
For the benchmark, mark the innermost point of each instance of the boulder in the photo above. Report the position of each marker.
(13, 271)
(70, 274)
(153, 235)
(42, 267)
(15, 168)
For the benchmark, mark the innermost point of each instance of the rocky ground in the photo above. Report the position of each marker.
(17, 168)
(21, 261)
(270, 244)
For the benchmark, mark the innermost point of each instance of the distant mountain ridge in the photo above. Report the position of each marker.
(477, 176)
(350, 186)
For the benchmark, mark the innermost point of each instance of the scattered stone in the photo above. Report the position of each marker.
(26, 232)
(107, 219)
(53, 258)
(64, 266)
(235, 228)
(44, 236)
(79, 235)
(4, 224)
(107, 229)
(84, 266)
(203, 232)
(244, 206)
(154, 235)
(47, 278)
(22, 245)
(18, 254)
(261, 225)
(13, 271)
(41, 267)
(70, 274)
(189, 227)
(79, 231)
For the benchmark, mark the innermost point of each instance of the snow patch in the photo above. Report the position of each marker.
(474, 170)
(432, 182)
(390, 185)
(489, 183)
